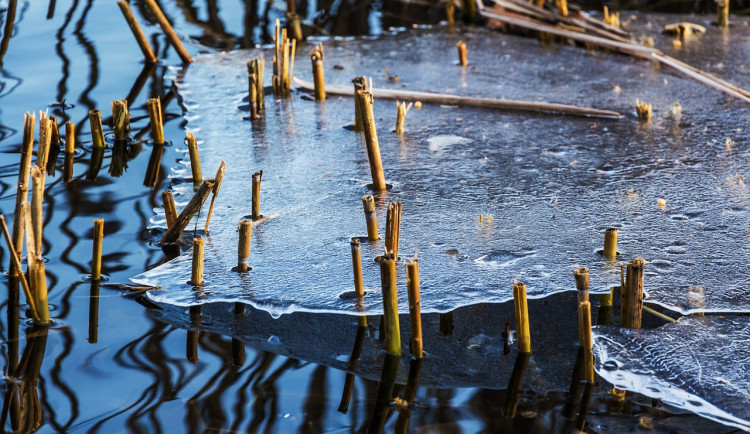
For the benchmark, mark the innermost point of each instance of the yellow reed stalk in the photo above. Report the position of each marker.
(316, 57)
(243, 249)
(70, 138)
(371, 138)
(45, 141)
(581, 275)
(196, 275)
(37, 204)
(360, 83)
(252, 96)
(368, 202)
(172, 37)
(120, 119)
(393, 228)
(359, 287)
(170, 209)
(610, 243)
(257, 178)
(148, 53)
(584, 328)
(415, 315)
(96, 257)
(199, 198)
(723, 13)
(522, 317)
(157, 126)
(22, 192)
(260, 65)
(562, 6)
(37, 274)
(643, 110)
(401, 110)
(16, 264)
(450, 12)
(195, 162)
(97, 133)
(632, 295)
(390, 304)
(611, 19)
(462, 53)
(217, 185)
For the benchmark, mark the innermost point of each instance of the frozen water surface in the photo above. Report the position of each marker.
(552, 184)
(696, 363)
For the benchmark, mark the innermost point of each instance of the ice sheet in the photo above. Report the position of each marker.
(551, 184)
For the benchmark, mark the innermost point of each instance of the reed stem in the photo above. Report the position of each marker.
(199, 198)
(415, 316)
(70, 146)
(37, 274)
(45, 141)
(255, 68)
(255, 200)
(217, 185)
(360, 83)
(22, 192)
(584, 329)
(243, 250)
(632, 295)
(170, 209)
(581, 275)
(723, 13)
(401, 110)
(390, 304)
(195, 161)
(371, 137)
(120, 119)
(562, 6)
(462, 54)
(155, 114)
(610, 243)
(37, 205)
(96, 258)
(172, 37)
(522, 317)
(316, 57)
(196, 275)
(643, 110)
(359, 287)
(393, 228)
(252, 96)
(148, 53)
(16, 264)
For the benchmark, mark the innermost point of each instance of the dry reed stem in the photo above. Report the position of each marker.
(16, 264)
(217, 185)
(390, 304)
(401, 110)
(252, 96)
(415, 316)
(368, 203)
(172, 37)
(120, 119)
(37, 274)
(96, 257)
(140, 38)
(22, 192)
(393, 228)
(611, 19)
(316, 57)
(643, 110)
(632, 295)
(584, 328)
(70, 138)
(562, 6)
(154, 113)
(359, 287)
(610, 243)
(170, 209)
(255, 200)
(195, 161)
(360, 83)
(462, 54)
(722, 19)
(371, 138)
(45, 141)
(173, 233)
(581, 275)
(196, 274)
(243, 249)
(522, 317)
(37, 205)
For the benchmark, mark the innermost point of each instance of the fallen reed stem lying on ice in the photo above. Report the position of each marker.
(173, 233)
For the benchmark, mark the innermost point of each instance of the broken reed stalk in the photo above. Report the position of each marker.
(37, 205)
(359, 287)
(393, 228)
(611, 19)
(45, 141)
(97, 142)
(170, 209)
(316, 57)
(53, 149)
(16, 264)
(643, 110)
(610, 243)
(722, 19)
(217, 185)
(96, 257)
(120, 119)
(462, 53)
(360, 83)
(154, 113)
(255, 199)
(632, 295)
(196, 274)
(37, 275)
(252, 96)
(562, 7)
(401, 111)
(70, 147)
(581, 275)
(283, 61)
(195, 161)
(243, 248)
(415, 316)
(368, 202)
(255, 68)
(173, 233)
(172, 37)
(522, 317)
(22, 191)
(584, 328)
(371, 137)
(148, 53)
(390, 304)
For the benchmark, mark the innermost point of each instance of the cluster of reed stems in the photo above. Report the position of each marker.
(283, 62)
(256, 97)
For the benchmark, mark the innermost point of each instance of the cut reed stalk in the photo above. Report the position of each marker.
(415, 316)
(371, 137)
(522, 317)
(97, 141)
(584, 328)
(252, 96)
(462, 53)
(722, 19)
(360, 83)
(401, 110)
(37, 274)
(562, 6)
(170, 209)
(37, 205)
(217, 185)
(390, 304)
(16, 264)
(53, 149)
(255, 200)
(581, 275)
(120, 119)
(393, 228)
(96, 257)
(155, 115)
(316, 57)
(368, 202)
(195, 162)
(172, 37)
(70, 146)
(148, 53)
(196, 274)
(643, 110)
(283, 62)
(22, 191)
(610, 243)
(199, 198)
(632, 295)
(359, 287)
(45, 141)
(255, 68)
(243, 249)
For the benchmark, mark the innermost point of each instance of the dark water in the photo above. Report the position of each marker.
(109, 364)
